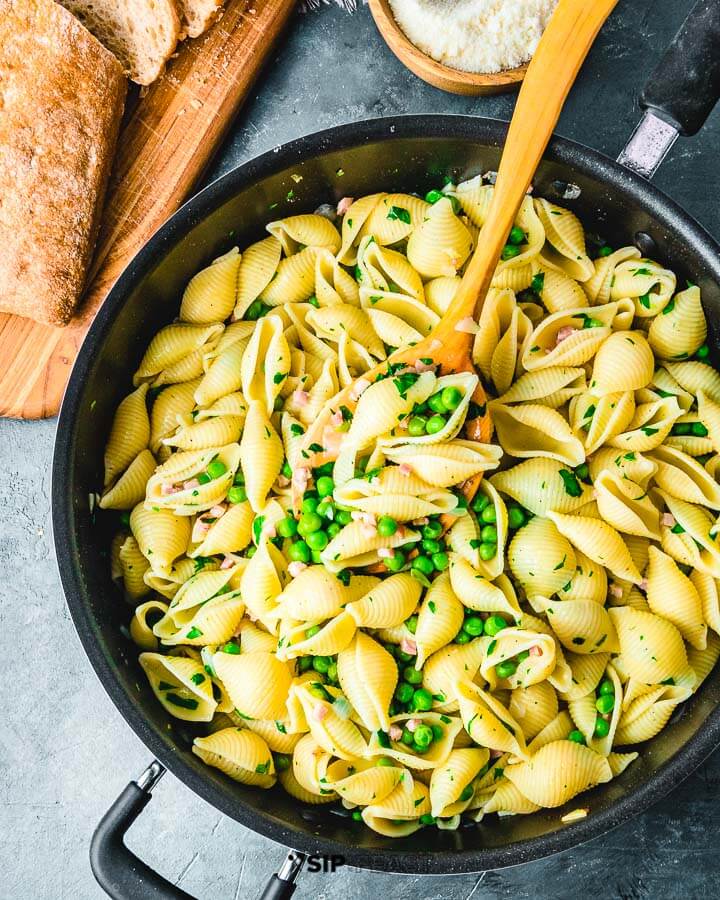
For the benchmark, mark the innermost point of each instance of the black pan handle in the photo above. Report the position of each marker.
(685, 86)
(117, 870)
(125, 877)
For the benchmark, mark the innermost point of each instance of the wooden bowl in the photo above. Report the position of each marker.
(444, 77)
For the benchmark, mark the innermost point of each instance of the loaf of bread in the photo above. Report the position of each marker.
(142, 34)
(61, 101)
(198, 15)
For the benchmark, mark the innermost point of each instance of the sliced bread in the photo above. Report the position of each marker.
(198, 15)
(61, 100)
(142, 34)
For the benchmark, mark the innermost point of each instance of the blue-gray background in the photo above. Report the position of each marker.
(64, 750)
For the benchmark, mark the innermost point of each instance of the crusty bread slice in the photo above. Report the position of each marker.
(61, 100)
(142, 34)
(198, 15)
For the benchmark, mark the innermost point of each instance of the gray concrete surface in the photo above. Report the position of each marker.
(64, 750)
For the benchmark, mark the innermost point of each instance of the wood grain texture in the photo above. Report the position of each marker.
(166, 144)
(472, 84)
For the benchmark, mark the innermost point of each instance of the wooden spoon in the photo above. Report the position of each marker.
(552, 71)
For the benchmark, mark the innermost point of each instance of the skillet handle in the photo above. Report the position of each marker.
(685, 86)
(116, 869)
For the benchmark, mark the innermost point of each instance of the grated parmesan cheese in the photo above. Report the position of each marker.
(475, 35)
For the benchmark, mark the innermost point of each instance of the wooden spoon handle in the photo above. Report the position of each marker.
(559, 55)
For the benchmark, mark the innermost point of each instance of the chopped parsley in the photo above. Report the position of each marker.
(399, 213)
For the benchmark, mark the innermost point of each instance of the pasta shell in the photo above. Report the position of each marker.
(367, 784)
(294, 279)
(646, 282)
(587, 670)
(129, 489)
(308, 229)
(436, 755)
(181, 686)
(388, 603)
(210, 295)
(368, 677)
(258, 683)
(558, 291)
(261, 455)
(600, 542)
(129, 434)
(582, 626)
(558, 772)
(626, 506)
(510, 642)
(682, 477)
(161, 535)
(533, 707)
(173, 345)
(531, 430)
(352, 226)
(538, 486)
(648, 714)
(681, 328)
(439, 618)
(540, 558)
(258, 265)
(392, 219)
(175, 484)
(588, 581)
(446, 464)
(440, 243)
(450, 665)
(488, 722)
(673, 596)
(449, 781)
(652, 648)
(694, 377)
(566, 238)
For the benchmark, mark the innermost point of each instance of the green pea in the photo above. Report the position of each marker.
(577, 737)
(422, 700)
(521, 657)
(435, 424)
(516, 236)
(325, 486)
(403, 656)
(333, 529)
(411, 624)
(326, 508)
(437, 731)
(473, 625)
(436, 404)
(510, 251)
(239, 478)
(324, 469)
(316, 557)
(487, 551)
(407, 737)
(395, 563)
(343, 517)
(681, 428)
(440, 561)
(488, 515)
(602, 728)
(318, 540)
(606, 687)
(703, 352)
(278, 404)
(417, 426)
(310, 504)
(432, 530)
(386, 526)
(125, 519)
(426, 819)
(204, 478)
(332, 672)
(451, 398)
(411, 675)
(251, 551)
(305, 662)
(395, 708)
(699, 430)
(237, 494)
(311, 631)
(282, 762)
(404, 692)
(516, 517)
(493, 624)
(430, 546)
(462, 637)
(384, 761)
(299, 552)
(506, 668)
(605, 251)
(479, 503)
(467, 793)
(309, 522)
(423, 564)
(423, 736)
(357, 815)
(605, 703)
(488, 535)
(286, 527)
(256, 310)
(321, 664)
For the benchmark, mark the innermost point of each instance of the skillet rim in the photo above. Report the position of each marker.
(344, 137)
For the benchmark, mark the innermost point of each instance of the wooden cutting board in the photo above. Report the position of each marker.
(164, 147)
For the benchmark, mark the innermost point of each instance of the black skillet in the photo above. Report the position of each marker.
(404, 154)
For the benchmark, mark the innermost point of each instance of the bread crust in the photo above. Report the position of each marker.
(199, 15)
(61, 101)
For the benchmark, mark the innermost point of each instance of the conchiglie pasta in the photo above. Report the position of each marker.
(558, 772)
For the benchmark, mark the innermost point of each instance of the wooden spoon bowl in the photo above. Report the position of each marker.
(471, 84)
